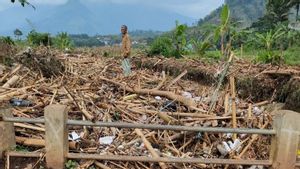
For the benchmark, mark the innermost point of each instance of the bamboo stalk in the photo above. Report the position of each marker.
(11, 73)
(41, 143)
(176, 79)
(150, 148)
(100, 165)
(160, 85)
(29, 127)
(11, 81)
(233, 96)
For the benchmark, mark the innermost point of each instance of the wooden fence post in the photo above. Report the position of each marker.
(56, 138)
(7, 133)
(285, 143)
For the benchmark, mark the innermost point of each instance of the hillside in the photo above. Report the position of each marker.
(244, 11)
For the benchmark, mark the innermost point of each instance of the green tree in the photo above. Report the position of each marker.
(36, 38)
(63, 41)
(179, 37)
(223, 29)
(268, 39)
(18, 33)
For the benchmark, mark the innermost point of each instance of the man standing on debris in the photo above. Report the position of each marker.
(126, 49)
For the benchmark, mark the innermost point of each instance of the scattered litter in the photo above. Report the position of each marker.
(106, 140)
(257, 111)
(256, 167)
(74, 136)
(158, 98)
(20, 102)
(199, 136)
(169, 106)
(235, 145)
(187, 95)
(197, 99)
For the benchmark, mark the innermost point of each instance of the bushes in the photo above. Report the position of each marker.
(62, 41)
(162, 46)
(35, 39)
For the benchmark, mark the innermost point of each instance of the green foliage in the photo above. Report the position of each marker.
(71, 164)
(7, 40)
(84, 40)
(63, 41)
(201, 47)
(18, 33)
(268, 56)
(21, 148)
(35, 39)
(224, 27)
(292, 56)
(268, 39)
(179, 38)
(162, 46)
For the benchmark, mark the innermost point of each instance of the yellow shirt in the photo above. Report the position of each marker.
(126, 45)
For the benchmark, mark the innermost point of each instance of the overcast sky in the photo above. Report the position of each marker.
(191, 8)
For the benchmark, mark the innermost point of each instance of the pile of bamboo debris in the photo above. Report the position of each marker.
(95, 89)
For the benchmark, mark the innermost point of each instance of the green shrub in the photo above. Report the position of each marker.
(34, 38)
(63, 41)
(267, 56)
(7, 40)
(162, 46)
(71, 164)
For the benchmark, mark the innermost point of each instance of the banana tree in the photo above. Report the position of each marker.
(268, 39)
(179, 38)
(224, 27)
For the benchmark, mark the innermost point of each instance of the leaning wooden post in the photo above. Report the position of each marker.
(7, 133)
(56, 138)
(285, 143)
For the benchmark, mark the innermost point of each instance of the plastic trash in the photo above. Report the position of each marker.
(74, 136)
(257, 111)
(222, 150)
(197, 99)
(226, 146)
(256, 167)
(20, 102)
(187, 95)
(235, 145)
(106, 140)
(169, 106)
(199, 136)
(158, 98)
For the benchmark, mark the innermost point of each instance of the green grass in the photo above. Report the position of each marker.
(291, 55)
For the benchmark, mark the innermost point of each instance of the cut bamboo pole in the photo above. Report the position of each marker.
(160, 85)
(11, 81)
(176, 79)
(150, 148)
(41, 143)
(29, 127)
(249, 115)
(11, 73)
(100, 165)
(233, 96)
